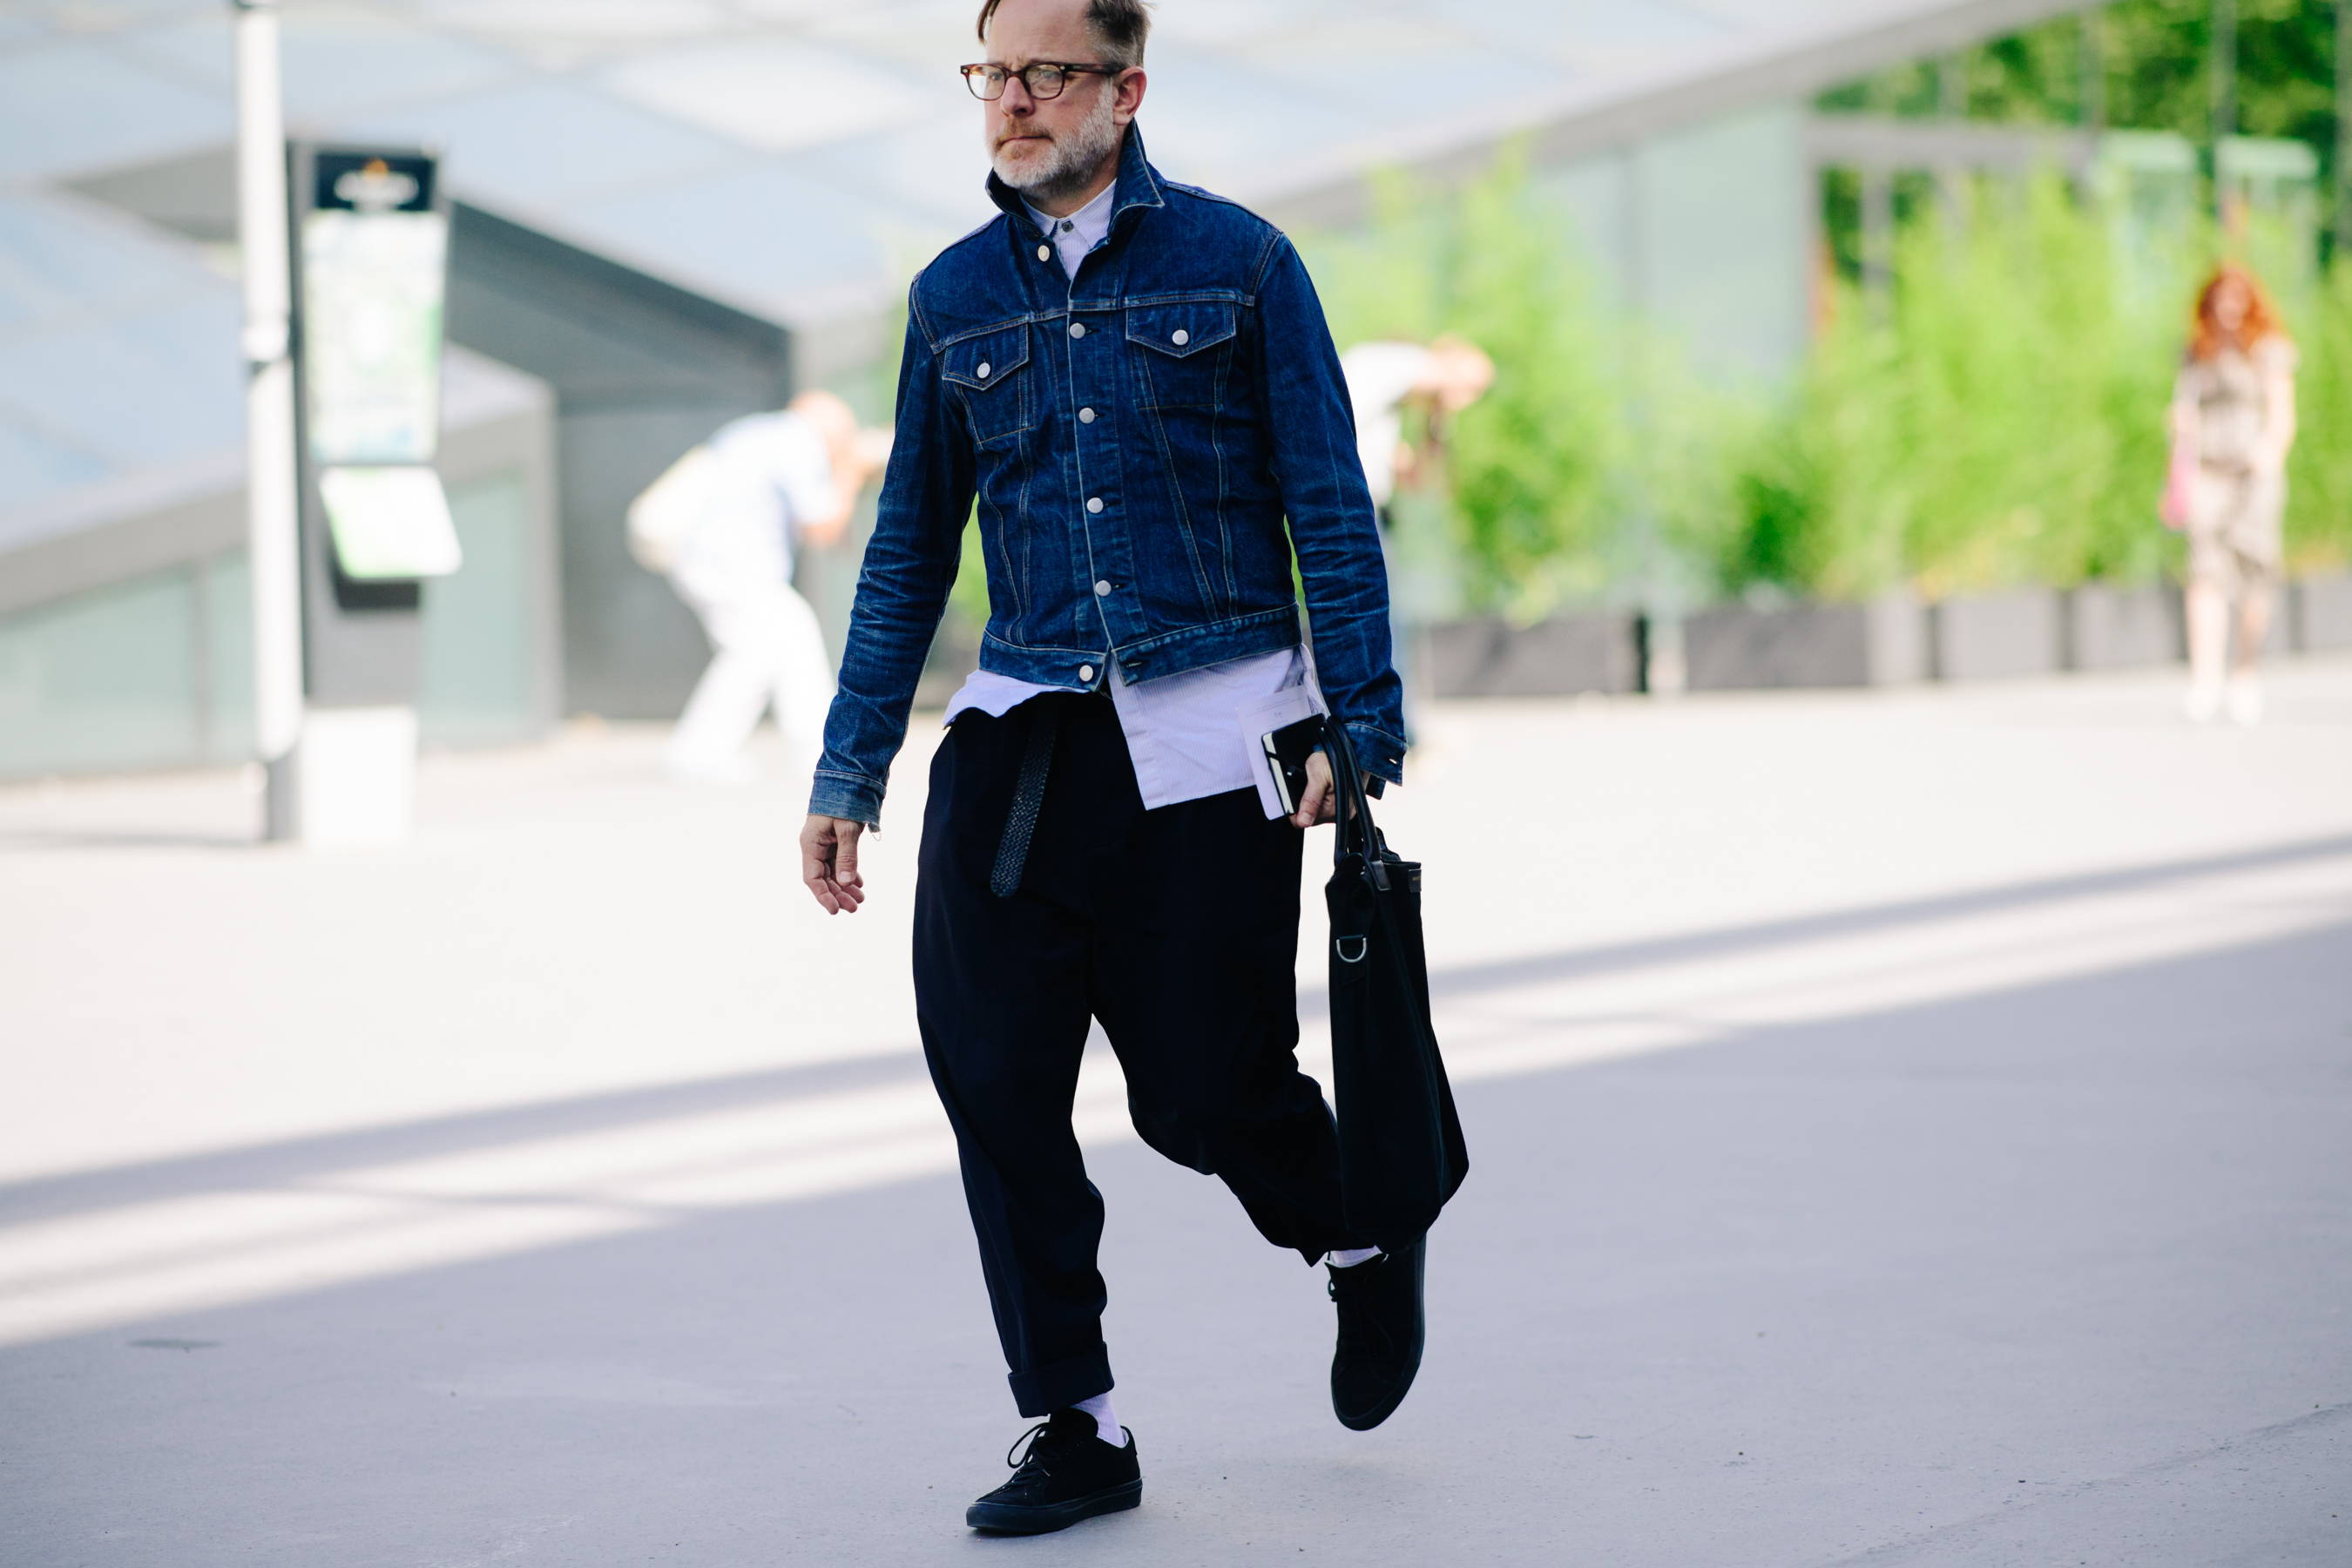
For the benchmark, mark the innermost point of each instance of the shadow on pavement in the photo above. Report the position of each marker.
(268, 1164)
(1812, 1294)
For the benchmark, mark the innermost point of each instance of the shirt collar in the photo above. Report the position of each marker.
(1087, 225)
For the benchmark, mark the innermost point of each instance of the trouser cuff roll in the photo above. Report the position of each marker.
(1043, 1390)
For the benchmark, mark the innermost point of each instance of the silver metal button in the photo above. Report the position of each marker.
(1180, 337)
(1102, 590)
(1078, 329)
(1085, 416)
(982, 371)
(1093, 504)
(1085, 673)
(1044, 253)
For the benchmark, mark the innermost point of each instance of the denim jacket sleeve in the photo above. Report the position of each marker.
(902, 589)
(1329, 510)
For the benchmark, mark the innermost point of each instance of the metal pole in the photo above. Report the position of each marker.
(1663, 672)
(273, 550)
(2091, 111)
(2343, 129)
(1878, 237)
(1951, 106)
(2224, 94)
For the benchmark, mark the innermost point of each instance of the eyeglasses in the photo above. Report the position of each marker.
(1044, 79)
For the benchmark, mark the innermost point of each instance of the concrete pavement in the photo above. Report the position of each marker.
(1907, 1128)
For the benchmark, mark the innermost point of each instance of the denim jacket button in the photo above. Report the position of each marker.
(982, 371)
(1180, 337)
(1093, 504)
(1078, 329)
(1044, 253)
(1102, 589)
(1085, 673)
(1085, 416)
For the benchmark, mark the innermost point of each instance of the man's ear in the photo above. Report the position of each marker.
(1130, 96)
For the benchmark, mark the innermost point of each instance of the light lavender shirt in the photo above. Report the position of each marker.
(1189, 735)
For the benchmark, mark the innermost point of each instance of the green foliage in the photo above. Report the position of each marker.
(1999, 420)
(2157, 60)
(1531, 467)
(2320, 470)
(1824, 494)
(1525, 498)
(2034, 400)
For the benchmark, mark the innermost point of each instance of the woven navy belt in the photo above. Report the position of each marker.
(1028, 797)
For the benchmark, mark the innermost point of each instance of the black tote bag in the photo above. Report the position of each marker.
(1401, 1149)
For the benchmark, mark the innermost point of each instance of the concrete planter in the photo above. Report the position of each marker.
(1557, 658)
(2321, 610)
(1739, 648)
(1997, 637)
(2107, 627)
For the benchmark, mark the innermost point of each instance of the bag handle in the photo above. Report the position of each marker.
(1353, 811)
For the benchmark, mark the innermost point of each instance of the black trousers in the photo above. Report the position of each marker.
(1178, 929)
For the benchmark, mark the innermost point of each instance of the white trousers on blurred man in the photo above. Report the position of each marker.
(766, 651)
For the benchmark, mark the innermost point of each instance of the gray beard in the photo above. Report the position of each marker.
(1065, 171)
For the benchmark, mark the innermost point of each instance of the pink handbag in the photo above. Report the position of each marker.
(2180, 486)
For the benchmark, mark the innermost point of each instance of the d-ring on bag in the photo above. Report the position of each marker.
(1401, 1150)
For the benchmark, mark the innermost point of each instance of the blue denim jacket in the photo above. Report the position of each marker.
(1135, 438)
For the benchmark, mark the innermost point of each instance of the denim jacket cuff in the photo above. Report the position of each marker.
(1379, 753)
(851, 796)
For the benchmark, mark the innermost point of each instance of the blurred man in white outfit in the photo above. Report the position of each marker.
(1386, 381)
(1441, 379)
(723, 523)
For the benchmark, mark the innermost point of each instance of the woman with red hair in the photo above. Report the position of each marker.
(2232, 425)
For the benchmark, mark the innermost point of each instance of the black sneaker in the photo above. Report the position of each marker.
(1069, 1474)
(1380, 1336)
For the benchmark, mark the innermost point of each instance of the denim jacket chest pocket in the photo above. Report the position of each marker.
(1182, 353)
(991, 379)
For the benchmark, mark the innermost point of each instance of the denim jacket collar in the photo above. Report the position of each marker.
(1138, 188)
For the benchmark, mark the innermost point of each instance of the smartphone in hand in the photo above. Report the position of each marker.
(1286, 751)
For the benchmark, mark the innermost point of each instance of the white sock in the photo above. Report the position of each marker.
(1347, 1257)
(1107, 1426)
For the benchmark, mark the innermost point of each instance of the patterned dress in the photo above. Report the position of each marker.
(2240, 499)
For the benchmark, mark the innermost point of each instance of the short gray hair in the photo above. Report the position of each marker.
(1119, 26)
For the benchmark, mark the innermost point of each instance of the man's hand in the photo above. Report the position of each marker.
(829, 863)
(1320, 803)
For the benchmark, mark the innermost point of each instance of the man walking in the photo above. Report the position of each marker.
(724, 523)
(1133, 379)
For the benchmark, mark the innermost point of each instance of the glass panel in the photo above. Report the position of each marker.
(73, 106)
(336, 62)
(775, 96)
(141, 391)
(1209, 119)
(101, 680)
(31, 467)
(1397, 67)
(478, 680)
(936, 165)
(49, 249)
(756, 233)
(1614, 31)
(539, 148)
(630, 21)
(228, 658)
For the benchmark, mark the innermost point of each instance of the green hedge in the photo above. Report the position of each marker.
(1997, 418)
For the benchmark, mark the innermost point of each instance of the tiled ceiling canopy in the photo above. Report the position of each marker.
(788, 157)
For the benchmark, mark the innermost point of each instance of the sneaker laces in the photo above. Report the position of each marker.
(1037, 1438)
(1358, 1332)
